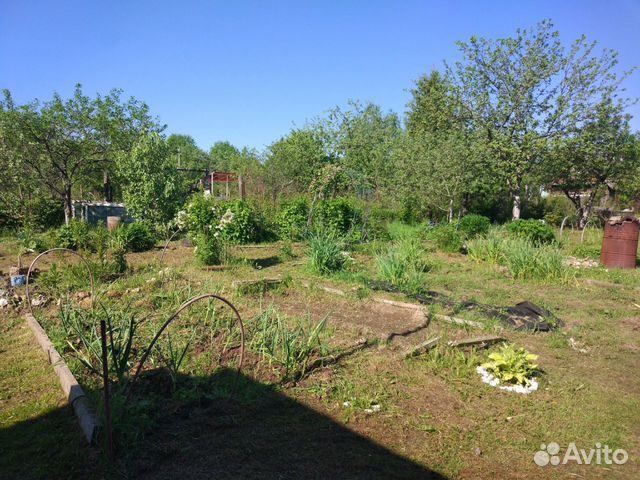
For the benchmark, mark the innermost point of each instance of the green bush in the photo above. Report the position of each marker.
(535, 231)
(246, 226)
(209, 249)
(326, 254)
(292, 219)
(337, 217)
(473, 225)
(402, 265)
(75, 236)
(136, 237)
(447, 237)
(202, 214)
(557, 208)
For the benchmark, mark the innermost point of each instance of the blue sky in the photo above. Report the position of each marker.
(247, 71)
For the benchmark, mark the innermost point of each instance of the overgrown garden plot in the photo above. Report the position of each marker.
(339, 358)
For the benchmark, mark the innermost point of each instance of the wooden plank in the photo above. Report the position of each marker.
(395, 303)
(422, 347)
(458, 321)
(76, 397)
(481, 342)
(334, 291)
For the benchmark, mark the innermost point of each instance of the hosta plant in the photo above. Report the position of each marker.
(512, 365)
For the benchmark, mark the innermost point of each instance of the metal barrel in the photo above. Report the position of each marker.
(620, 244)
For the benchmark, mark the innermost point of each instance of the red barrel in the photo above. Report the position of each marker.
(620, 243)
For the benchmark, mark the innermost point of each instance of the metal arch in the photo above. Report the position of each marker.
(164, 250)
(46, 252)
(184, 306)
(584, 229)
(562, 225)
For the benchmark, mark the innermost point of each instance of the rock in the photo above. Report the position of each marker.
(3, 302)
(478, 451)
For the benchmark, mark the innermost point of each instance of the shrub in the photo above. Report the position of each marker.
(533, 230)
(557, 208)
(512, 365)
(209, 249)
(75, 236)
(473, 225)
(292, 219)
(402, 265)
(447, 237)
(327, 254)
(203, 213)
(246, 226)
(136, 237)
(337, 216)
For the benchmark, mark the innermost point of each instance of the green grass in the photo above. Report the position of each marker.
(39, 434)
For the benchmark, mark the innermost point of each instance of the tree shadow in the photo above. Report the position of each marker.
(255, 433)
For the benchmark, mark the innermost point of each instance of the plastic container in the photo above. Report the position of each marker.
(18, 280)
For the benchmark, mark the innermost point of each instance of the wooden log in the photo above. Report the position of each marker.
(256, 286)
(458, 321)
(334, 291)
(411, 306)
(601, 284)
(76, 397)
(481, 342)
(424, 347)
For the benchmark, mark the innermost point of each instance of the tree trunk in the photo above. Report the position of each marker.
(450, 211)
(517, 207)
(68, 205)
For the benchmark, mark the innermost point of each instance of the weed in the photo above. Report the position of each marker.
(293, 347)
(326, 254)
(402, 265)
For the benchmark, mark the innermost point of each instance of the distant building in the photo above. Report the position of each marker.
(97, 212)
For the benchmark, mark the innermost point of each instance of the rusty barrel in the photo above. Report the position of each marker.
(113, 223)
(620, 243)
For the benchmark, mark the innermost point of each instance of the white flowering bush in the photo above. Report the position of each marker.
(206, 223)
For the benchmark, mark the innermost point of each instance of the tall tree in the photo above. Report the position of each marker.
(363, 139)
(151, 184)
(439, 158)
(65, 143)
(597, 156)
(224, 155)
(523, 92)
(293, 161)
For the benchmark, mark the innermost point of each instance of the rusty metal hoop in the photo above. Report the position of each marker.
(164, 250)
(562, 225)
(184, 306)
(46, 252)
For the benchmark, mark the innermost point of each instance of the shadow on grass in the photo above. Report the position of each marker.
(266, 262)
(259, 433)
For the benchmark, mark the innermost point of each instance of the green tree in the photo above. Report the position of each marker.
(64, 144)
(363, 139)
(293, 161)
(224, 156)
(600, 154)
(151, 189)
(438, 159)
(185, 153)
(523, 92)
